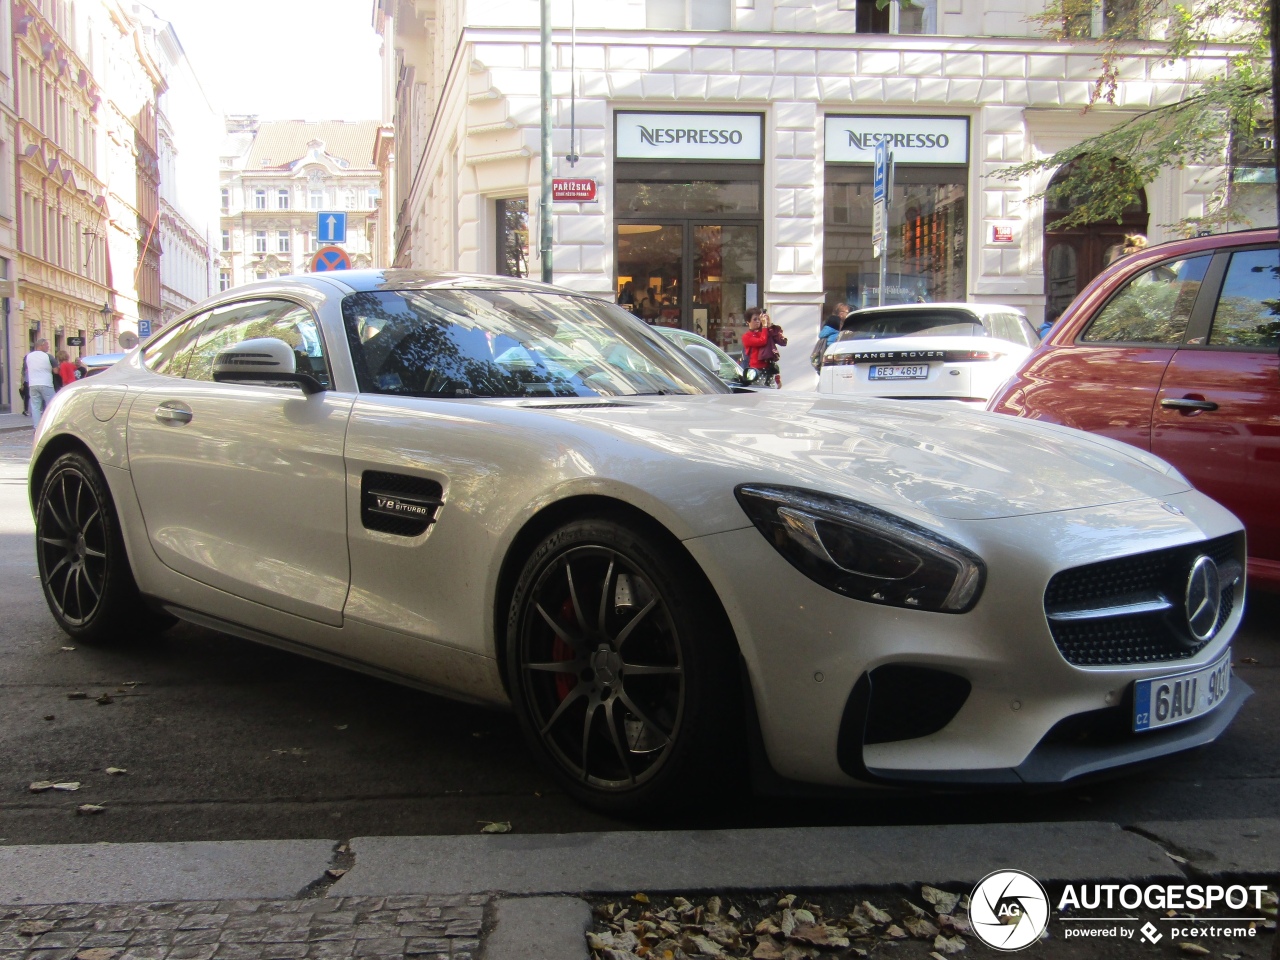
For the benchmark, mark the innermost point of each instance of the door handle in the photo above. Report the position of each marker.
(173, 412)
(1187, 403)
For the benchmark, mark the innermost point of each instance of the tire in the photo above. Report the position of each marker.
(634, 706)
(80, 553)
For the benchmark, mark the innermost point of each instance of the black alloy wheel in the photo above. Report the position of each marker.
(611, 688)
(80, 554)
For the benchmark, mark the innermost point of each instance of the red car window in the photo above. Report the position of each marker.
(1153, 307)
(1248, 311)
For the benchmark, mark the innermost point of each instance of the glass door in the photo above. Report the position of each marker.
(725, 267)
(650, 258)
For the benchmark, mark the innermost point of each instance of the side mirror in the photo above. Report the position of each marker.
(262, 360)
(704, 356)
(750, 375)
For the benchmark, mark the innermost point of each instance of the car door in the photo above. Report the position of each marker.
(1107, 380)
(1218, 415)
(242, 487)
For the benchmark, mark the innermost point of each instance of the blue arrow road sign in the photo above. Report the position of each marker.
(881, 169)
(331, 226)
(330, 258)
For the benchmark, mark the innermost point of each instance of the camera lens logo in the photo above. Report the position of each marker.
(1009, 910)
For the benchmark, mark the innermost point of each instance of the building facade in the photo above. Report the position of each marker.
(731, 144)
(11, 325)
(279, 180)
(190, 134)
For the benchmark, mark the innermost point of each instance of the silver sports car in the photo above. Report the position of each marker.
(522, 496)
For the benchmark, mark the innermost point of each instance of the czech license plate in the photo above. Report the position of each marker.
(919, 371)
(1182, 696)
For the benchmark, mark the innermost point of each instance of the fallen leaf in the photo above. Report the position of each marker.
(875, 913)
(33, 927)
(713, 907)
(88, 808)
(734, 913)
(819, 935)
(491, 826)
(640, 897)
(68, 649)
(954, 922)
(1175, 858)
(917, 910)
(40, 786)
(343, 848)
(767, 949)
(341, 726)
(77, 696)
(116, 771)
(787, 921)
(67, 786)
(725, 934)
(98, 953)
(895, 932)
(948, 945)
(804, 916)
(936, 955)
(704, 946)
(1194, 949)
(920, 928)
(767, 926)
(941, 901)
(335, 872)
(1251, 661)
(104, 700)
(788, 900)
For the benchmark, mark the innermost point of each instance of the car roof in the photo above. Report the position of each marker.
(977, 309)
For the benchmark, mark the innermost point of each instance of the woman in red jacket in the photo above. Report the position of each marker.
(760, 346)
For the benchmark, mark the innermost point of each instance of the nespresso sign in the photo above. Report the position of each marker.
(688, 136)
(911, 139)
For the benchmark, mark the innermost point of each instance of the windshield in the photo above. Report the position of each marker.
(508, 343)
(877, 325)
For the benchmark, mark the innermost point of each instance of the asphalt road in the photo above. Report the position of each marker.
(223, 739)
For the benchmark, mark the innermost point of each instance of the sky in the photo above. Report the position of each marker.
(282, 59)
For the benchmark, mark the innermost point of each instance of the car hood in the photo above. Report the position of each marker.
(947, 461)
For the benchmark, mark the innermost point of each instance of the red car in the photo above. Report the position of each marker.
(1174, 350)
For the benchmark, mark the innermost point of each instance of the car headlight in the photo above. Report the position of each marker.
(863, 552)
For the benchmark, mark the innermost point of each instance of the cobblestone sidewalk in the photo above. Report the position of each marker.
(338, 928)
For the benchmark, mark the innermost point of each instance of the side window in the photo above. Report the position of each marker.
(1248, 310)
(250, 319)
(1008, 326)
(170, 353)
(1153, 307)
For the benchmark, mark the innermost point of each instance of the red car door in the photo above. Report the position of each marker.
(1106, 377)
(1218, 413)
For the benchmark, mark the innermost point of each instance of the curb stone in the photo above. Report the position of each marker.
(1217, 848)
(539, 928)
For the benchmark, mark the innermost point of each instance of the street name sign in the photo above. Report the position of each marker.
(580, 189)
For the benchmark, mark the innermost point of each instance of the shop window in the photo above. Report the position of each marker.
(686, 197)
(512, 219)
(688, 14)
(928, 225)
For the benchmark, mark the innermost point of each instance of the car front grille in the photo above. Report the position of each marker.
(1132, 609)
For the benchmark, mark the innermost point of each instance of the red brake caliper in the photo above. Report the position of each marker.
(565, 682)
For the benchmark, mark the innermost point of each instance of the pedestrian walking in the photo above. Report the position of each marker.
(760, 346)
(66, 369)
(38, 368)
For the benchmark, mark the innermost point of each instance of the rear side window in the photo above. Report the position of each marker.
(1248, 310)
(1009, 326)
(1153, 307)
(877, 325)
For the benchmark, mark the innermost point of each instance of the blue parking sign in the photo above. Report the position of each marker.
(144, 329)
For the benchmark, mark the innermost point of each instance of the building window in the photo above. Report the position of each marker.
(350, 199)
(513, 237)
(308, 241)
(689, 14)
(315, 200)
(1106, 18)
(371, 198)
(282, 241)
(226, 200)
(260, 275)
(259, 241)
(259, 199)
(226, 240)
(224, 280)
(282, 199)
(918, 16)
